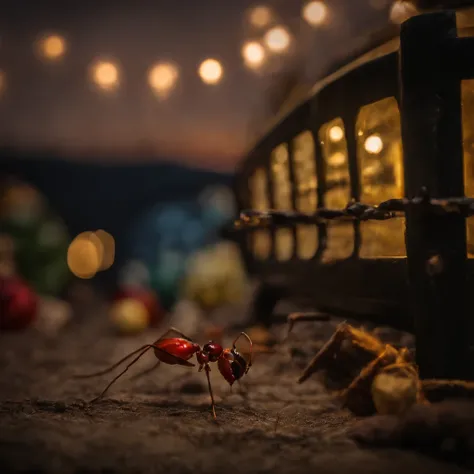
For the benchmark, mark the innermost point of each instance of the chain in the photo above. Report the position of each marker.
(357, 211)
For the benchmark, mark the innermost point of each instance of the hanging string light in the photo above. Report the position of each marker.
(253, 54)
(315, 13)
(210, 71)
(105, 74)
(162, 78)
(277, 39)
(52, 47)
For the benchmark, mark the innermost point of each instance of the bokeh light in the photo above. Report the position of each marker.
(402, 11)
(105, 74)
(315, 13)
(84, 255)
(162, 78)
(52, 47)
(210, 71)
(373, 144)
(336, 134)
(260, 16)
(277, 39)
(337, 159)
(254, 54)
(108, 245)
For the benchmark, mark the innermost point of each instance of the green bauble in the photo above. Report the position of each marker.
(40, 253)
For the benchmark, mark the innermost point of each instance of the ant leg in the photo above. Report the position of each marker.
(207, 370)
(243, 334)
(143, 349)
(293, 318)
(123, 372)
(146, 371)
(112, 367)
(328, 351)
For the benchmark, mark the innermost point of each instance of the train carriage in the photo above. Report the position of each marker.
(396, 125)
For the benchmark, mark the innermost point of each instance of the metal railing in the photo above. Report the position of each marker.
(356, 211)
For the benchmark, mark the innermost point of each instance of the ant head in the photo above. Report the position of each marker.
(213, 350)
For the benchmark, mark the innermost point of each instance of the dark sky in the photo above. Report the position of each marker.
(54, 105)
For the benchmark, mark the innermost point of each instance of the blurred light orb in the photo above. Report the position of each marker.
(260, 16)
(337, 159)
(277, 39)
(129, 316)
(105, 74)
(336, 134)
(210, 71)
(84, 255)
(373, 144)
(253, 53)
(401, 11)
(315, 13)
(162, 78)
(52, 47)
(108, 244)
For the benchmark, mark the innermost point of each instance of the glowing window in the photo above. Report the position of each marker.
(468, 144)
(340, 234)
(380, 157)
(306, 198)
(261, 241)
(280, 166)
(465, 22)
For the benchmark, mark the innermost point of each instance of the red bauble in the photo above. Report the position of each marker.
(18, 304)
(147, 297)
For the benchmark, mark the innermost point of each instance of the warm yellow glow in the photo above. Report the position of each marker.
(260, 240)
(162, 78)
(282, 198)
(277, 39)
(337, 159)
(84, 255)
(105, 74)
(108, 245)
(129, 316)
(52, 47)
(340, 234)
(315, 13)
(373, 144)
(467, 102)
(304, 166)
(254, 54)
(380, 176)
(210, 71)
(260, 16)
(336, 134)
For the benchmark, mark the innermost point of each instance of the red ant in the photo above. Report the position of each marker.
(178, 351)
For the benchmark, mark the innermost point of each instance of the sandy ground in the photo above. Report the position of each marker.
(161, 422)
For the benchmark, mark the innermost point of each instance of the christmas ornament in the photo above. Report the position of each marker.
(18, 304)
(129, 316)
(147, 297)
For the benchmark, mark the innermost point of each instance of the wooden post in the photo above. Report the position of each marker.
(436, 245)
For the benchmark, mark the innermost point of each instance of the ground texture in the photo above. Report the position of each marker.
(161, 422)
